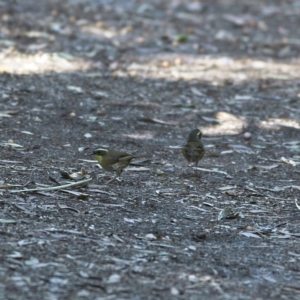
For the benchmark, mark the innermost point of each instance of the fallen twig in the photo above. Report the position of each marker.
(297, 205)
(54, 188)
(278, 189)
(213, 171)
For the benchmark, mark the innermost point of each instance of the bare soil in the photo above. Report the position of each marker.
(138, 76)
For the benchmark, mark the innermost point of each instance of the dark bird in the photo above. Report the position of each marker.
(194, 150)
(112, 160)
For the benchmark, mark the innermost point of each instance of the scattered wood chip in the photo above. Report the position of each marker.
(8, 221)
(297, 205)
(226, 152)
(26, 132)
(157, 121)
(9, 186)
(197, 92)
(227, 213)
(68, 207)
(11, 144)
(138, 169)
(214, 170)
(75, 89)
(79, 195)
(232, 193)
(228, 187)
(8, 113)
(289, 161)
(249, 234)
(53, 179)
(278, 189)
(10, 161)
(265, 167)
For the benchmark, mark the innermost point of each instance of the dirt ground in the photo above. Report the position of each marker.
(138, 76)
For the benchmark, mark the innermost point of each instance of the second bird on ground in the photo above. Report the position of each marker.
(112, 160)
(194, 150)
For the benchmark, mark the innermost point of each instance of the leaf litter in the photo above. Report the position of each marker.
(163, 243)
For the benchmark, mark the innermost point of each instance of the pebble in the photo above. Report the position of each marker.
(247, 135)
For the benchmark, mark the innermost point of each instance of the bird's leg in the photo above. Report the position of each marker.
(112, 179)
(119, 172)
(197, 171)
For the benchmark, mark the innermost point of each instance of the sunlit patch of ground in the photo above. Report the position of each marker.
(276, 123)
(215, 69)
(18, 63)
(229, 125)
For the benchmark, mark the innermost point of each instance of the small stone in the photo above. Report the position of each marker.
(174, 291)
(193, 278)
(114, 278)
(87, 135)
(247, 135)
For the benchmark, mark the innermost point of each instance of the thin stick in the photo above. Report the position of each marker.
(54, 188)
(213, 171)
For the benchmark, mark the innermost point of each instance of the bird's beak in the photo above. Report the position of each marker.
(90, 153)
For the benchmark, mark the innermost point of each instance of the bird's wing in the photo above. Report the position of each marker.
(185, 152)
(125, 157)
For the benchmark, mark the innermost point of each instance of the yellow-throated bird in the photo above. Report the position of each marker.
(112, 160)
(194, 150)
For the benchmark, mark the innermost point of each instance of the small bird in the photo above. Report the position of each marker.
(194, 150)
(112, 160)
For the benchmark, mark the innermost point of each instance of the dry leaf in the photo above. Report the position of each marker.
(76, 175)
